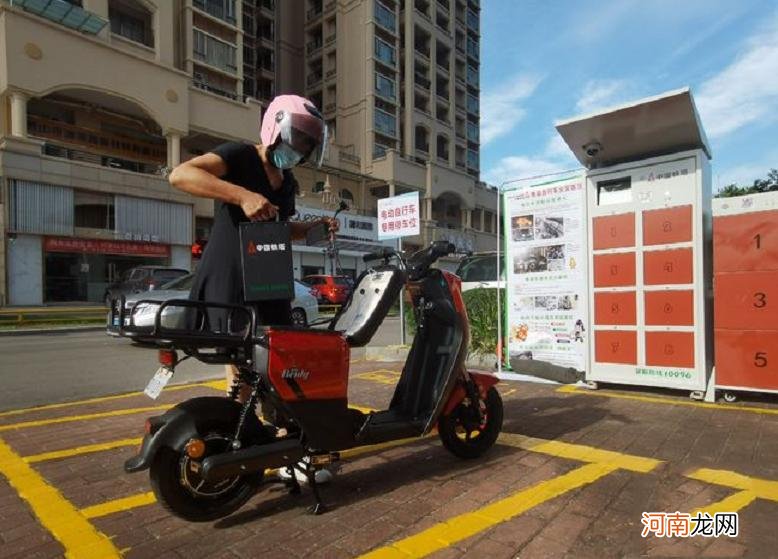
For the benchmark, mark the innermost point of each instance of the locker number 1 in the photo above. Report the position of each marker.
(758, 239)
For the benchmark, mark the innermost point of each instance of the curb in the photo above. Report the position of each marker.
(51, 331)
(400, 353)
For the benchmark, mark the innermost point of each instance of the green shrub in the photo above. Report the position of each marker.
(481, 307)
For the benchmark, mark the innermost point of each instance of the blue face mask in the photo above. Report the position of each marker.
(284, 157)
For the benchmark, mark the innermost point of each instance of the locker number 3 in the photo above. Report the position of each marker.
(760, 300)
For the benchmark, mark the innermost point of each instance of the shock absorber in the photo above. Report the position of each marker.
(249, 406)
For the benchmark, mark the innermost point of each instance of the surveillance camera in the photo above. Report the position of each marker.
(592, 149)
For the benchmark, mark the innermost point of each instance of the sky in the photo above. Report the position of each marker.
(547, 60)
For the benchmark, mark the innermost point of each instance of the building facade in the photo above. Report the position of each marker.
(98, 98)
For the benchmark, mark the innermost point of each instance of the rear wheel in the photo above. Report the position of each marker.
(299, 318)
(178, 486)
(467, 436)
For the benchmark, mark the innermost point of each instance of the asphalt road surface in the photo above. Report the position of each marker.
(50, 368)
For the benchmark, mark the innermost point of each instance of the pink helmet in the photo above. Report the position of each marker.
(295, 121)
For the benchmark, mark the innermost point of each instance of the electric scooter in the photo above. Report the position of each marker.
(207, 456)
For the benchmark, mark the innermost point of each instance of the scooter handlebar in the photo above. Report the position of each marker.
(382, 254)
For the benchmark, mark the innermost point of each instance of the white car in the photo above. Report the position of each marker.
(480, 271)
(305, 308)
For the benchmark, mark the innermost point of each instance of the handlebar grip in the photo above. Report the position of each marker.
(385, 252)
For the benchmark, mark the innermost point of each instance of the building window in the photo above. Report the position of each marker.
(472, 103)
(131, 22)
(345, 194)
(472, 20)
(379, 150)
(385, 123)
(472, 48)
(93, 210)
(472, 76)
(472, 159)
(443, 147)
(422, 142)
(385, 17)
(385, 87)
(472, 132)
(385, 52)
(488, 222)
(221, 9)
(212, 51)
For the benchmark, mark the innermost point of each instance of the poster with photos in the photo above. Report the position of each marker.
(546, 260)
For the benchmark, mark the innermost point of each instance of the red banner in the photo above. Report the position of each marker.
(96, 246)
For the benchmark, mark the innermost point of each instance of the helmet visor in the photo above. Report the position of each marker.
(305, 134)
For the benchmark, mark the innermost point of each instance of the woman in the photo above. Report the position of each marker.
(252, 183)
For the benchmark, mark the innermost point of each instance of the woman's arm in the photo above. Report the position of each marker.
(200, 177)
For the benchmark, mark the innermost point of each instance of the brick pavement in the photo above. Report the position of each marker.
(394, 495)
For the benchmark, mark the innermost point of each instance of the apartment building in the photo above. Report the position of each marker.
(100, 97)
(398, 83)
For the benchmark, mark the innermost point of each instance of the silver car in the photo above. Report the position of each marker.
(305, 308)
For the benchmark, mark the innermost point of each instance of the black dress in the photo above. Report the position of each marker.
(218, 278)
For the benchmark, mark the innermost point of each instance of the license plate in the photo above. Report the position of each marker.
(158, 382)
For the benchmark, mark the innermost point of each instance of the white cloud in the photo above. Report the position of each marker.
(746, 91)
(601, 94)
(521, 167)
(501, 110)
(557, 148)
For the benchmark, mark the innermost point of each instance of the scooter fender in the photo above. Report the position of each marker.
(484, 380)
(179, 424)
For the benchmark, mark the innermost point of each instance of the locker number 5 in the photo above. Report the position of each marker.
(760, 359)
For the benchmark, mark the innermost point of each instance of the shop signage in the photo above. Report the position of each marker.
(96, 246)
(352, 226)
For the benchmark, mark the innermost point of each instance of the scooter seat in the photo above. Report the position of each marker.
(374, 294)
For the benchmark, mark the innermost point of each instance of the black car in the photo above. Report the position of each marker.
(142, 278)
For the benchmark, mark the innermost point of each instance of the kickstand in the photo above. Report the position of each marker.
(292, 484)
(319, 507)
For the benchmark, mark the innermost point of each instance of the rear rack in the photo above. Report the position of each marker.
(121, 322)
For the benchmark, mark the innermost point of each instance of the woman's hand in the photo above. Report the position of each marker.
(333, 225)
(257, 207)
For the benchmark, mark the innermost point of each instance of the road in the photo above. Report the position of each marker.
(49, 368)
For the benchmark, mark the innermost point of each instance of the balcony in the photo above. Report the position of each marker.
(215, 89)
(313, 13)
(313, 46)
(473, 21)
(385, 17)
(472, 77)
(220, 9)
(332, 72)
(472, 48)
(313, 79)
(422, 81)
(54, 150)
(330, 39)
(472, 104)
(349, 157)
(385, 53)
(328, 6)
(64, 13)
(329, 108)
(444, 4)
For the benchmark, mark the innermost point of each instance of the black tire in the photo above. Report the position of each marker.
(474, 441)
(299, 318)
(172, 481)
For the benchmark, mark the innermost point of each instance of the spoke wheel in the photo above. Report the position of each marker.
(470, 431)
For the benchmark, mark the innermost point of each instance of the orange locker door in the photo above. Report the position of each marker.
(670, 349)
(669, 308)
(668, 267)
(612, 346)
(746, 300)
(745, 242)
(667, 226)
(615, 308)
(747, 358)
(614, 231)
(614, 270)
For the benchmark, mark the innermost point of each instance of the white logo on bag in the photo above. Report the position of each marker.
(272, 247)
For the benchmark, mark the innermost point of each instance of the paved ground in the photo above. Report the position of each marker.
(39, 369)
(570, 477)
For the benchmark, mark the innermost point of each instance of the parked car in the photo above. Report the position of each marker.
(140, 279)
(329, 290)
(305, 308)
(480, 270)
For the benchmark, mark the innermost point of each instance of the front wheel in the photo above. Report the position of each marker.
(178, 486)
(464, 434)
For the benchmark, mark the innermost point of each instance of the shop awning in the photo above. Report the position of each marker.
(657, 125)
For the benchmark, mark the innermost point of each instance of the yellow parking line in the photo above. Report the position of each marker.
(458, 528)
(210, 384)
(750, 488)
(465, 525)
(86, 449)
(55, 513)
(71, 418)
(572, 389)
(119, 505)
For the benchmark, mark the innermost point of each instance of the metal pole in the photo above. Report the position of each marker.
(402, 296)
(500, 347)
